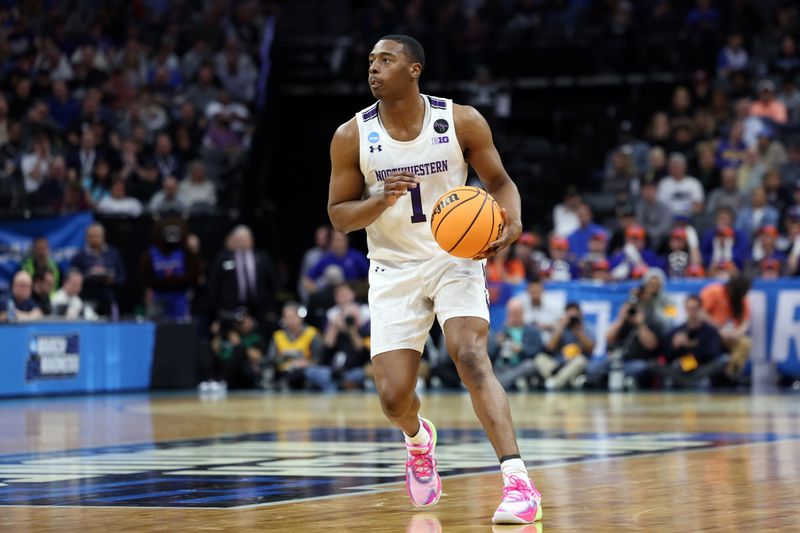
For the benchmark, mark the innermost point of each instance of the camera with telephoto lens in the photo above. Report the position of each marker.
(574, 320)
(633, 302)
(349, 321)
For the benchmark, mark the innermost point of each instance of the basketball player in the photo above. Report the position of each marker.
(389, 165)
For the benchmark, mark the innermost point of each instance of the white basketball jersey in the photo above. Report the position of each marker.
(403, 231)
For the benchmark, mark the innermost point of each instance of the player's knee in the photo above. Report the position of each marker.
(473, 366)
(394, 401)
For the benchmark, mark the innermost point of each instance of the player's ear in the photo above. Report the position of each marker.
(415, 69)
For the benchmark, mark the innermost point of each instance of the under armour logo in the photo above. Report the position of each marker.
(373, 149)
(380, 269)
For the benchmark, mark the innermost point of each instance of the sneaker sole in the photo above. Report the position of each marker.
(511, 518)
(433, 448)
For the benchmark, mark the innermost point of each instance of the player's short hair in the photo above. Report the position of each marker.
(412, 48)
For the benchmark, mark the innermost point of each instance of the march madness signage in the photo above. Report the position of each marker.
(53, 355)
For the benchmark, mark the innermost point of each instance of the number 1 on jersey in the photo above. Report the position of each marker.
(416, 205)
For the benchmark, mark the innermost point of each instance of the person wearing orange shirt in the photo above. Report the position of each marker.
(767, 106)
(728, 309)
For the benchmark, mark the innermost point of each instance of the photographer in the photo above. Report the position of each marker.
(238, 350)
(346, 340)
(569, 347)
(295, 347)
(638, 332)
(695, 348)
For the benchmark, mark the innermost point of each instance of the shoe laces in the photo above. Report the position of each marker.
(421, 464)
(517, 490)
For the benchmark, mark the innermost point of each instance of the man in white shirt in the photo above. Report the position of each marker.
(118, 203)
(67, 302)
(681, 193)
(538, 310)
(565, 214)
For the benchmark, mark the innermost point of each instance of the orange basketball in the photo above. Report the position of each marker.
(465, 220)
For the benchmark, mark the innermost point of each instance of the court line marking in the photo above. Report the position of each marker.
(375, 488)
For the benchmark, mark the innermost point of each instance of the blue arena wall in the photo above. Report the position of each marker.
(75, 357)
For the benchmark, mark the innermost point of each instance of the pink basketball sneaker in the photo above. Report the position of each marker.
(521, 503)
(422, 480)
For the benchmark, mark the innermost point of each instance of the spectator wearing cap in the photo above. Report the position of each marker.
(560, 265)
(724, 248)
(524, 251)
(727, 194)
(635, 258)
(596, 251)
(579, 239)
(683, 194)
(767, 105)
(565, 214)
(680, 255)
(654, 215)
(731, 150)
(759, 213)
(766, 260)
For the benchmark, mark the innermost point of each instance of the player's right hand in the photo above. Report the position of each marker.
(396, 185)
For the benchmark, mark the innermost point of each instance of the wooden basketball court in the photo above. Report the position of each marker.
(313, 463)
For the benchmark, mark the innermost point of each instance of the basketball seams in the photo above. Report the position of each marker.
(462, 202)
(491, 231)
(466, 231)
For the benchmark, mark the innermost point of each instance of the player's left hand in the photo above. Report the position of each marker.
(508, 235)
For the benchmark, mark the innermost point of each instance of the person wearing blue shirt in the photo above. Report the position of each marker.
(102, 270)
(579, 239)
(722, 244)
(353, 263)
(634, 259)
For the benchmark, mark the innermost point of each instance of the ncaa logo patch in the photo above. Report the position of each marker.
(373, 137)
(441, 126)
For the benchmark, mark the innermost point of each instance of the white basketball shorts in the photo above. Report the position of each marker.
(405, 297)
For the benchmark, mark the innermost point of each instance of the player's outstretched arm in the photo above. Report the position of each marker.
(347, 208)
(475, 138)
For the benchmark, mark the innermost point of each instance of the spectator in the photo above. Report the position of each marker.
(66, 301)
(164, 159)
(750, 172)
(97, 186)
(538, 310)
(118, 202)
(792, 245)
(635, 258)
(680, 255)
(83, 159)
(505, 268)
(35, 164)
(595, 256)
(731, 150)
(524, 251)
(352, 262)
(236, 71)
(724, 248)
(311, 256)
(40, 260)
(64, 109)
(681, 193)
(790, 96)
(733, 56)
(197, 191)
(767, 106)
(766, 259)
(707, 172)
(787, 63)
(20, 307)
(759, 213)
(790, 171)
(565, 214)
(513, 348)
(568, 350)
(169, 271)
(103, 272)
(238, 350)
(727, 194)
(50, 193)
(695, 348)
(295, 348)
(43, 287)
(579, 239)
(346, 345)
(728, 310)
(771, 152)
(777, 196)
(626, 217)
(204, 91)
(654, 215)
(641, 326)
(243, 276)
(561, 265)
(620, 179)
(166, 200)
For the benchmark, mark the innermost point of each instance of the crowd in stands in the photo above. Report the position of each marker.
(122, 108)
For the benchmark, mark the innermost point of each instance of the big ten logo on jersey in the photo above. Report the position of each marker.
(445, 202)
(444, 139)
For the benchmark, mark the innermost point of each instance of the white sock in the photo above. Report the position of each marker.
(513, 467)
(422, 438)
